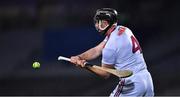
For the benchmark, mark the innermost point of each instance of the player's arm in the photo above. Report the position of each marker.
(89, 54)
(108, 61)
(93, 52)
(81, 63)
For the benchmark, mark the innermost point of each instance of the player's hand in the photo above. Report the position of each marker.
(78, 61)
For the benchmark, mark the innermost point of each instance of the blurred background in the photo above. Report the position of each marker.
(41, 30)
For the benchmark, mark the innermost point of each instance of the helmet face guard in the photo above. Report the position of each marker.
(108, 14)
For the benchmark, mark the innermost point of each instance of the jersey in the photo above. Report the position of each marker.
(123, 51)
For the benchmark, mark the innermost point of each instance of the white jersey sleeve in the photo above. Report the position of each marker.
(109, 56)
(109, 52)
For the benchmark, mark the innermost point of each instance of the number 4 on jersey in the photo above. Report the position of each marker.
(135, 45)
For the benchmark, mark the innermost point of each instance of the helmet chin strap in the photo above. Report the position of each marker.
(100, 28)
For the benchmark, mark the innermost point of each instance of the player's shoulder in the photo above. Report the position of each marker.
(122, 34)
(120, 30)
(117, 35)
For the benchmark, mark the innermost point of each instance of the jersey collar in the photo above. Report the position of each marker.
(111, 30)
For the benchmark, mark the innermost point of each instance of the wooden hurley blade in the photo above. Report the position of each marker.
(119, 73)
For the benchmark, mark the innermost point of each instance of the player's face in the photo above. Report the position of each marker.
(101, 25)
